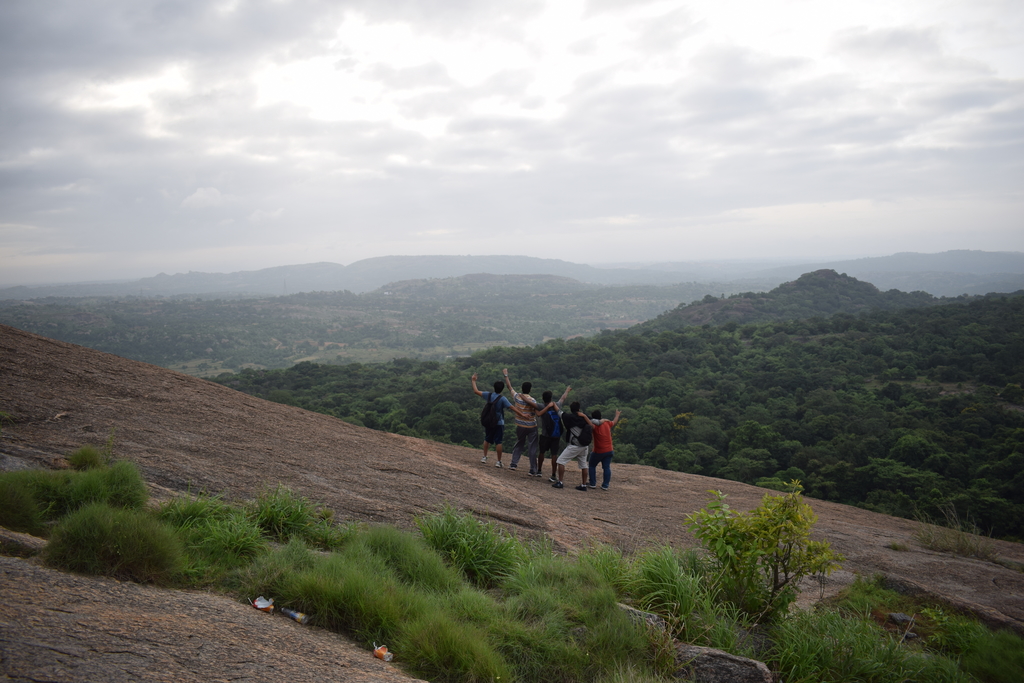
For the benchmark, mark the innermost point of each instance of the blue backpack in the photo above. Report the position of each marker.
(556, 424)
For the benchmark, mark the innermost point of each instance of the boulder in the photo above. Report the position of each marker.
(707, 665)
(648, 619)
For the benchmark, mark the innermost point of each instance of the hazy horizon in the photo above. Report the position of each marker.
(142, 137)
(760, 263)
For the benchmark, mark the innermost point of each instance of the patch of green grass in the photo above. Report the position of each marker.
(88, 458)
(19, 510)
(482, 551)
(48, 495)
(410, 558)
(218, 537)
(677, 586)
(282, 514)
(827, 646)
(123, 543)
(996, 658)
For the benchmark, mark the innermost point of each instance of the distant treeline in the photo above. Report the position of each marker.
(418, 318)
(897, 411)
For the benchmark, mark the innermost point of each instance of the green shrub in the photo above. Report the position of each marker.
(126, 544)
(19, 510)
(482, 552)
(761, 554)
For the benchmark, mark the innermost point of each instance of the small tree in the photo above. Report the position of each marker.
(761, 554)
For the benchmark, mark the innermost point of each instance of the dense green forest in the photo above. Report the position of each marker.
(900, 411)
(821, 293)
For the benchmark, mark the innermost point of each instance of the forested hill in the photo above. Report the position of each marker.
(898, 411)
(821, 293)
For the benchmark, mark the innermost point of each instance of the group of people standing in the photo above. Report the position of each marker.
(536, 440)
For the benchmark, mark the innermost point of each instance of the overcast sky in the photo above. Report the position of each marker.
(141, 137)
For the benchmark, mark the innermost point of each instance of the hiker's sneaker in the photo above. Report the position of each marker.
(552, 480)
(581, 487)
(483, 459)
(512, 467)
(604, 488)
(533, 473)
(498, 464)
(593, 486)
(558, 485)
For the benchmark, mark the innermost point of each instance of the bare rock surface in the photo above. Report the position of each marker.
(187, 433)
(62, 627)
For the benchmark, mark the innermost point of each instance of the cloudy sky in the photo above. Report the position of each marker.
(143, 136)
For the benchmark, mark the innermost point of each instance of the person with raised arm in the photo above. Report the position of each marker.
(525, 410)
(603, 450)
(494, 432)
(551, 431)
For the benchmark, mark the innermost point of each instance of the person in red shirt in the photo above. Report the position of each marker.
(603, 450)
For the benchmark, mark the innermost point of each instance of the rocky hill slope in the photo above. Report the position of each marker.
(187, 433)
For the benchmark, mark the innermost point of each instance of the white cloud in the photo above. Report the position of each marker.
(261, 216)
(204, 197)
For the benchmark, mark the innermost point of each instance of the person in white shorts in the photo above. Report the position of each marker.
(575, 428)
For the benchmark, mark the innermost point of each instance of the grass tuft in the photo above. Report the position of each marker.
(125, 544)
(282, 514)
(484, 553)
(19, 510)
(89, 458)
(960, 536)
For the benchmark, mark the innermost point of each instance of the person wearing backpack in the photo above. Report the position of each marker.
(492, 417)
(551, 431)
(603, 450)
(579, 434)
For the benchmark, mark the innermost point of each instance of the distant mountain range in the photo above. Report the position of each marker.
(949, 273)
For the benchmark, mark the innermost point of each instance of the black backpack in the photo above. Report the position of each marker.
(586, 435)
(580, 431)
(489, 415)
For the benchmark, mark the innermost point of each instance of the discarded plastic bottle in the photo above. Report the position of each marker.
(297, 616)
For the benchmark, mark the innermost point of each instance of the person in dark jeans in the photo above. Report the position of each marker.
(603, 450)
